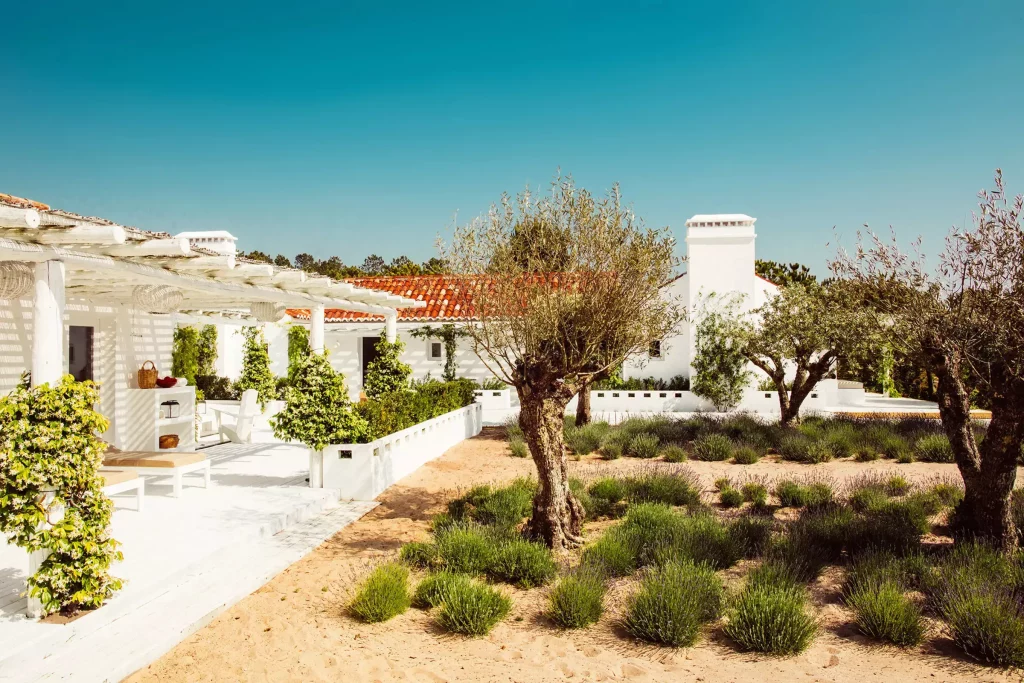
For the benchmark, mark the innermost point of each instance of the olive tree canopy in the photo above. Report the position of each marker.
(565, 286)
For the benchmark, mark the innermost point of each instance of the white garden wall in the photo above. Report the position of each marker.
(364, 471)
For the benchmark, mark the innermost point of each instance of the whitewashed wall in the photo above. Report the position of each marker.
(231, 344)
(122, 341)
(346, 347)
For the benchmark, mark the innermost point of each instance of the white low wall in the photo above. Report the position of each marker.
(363, 471)
(494, 399)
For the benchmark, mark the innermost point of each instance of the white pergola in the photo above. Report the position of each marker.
(96, 260)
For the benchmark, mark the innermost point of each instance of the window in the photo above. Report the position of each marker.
(655, 349)
(436, 351)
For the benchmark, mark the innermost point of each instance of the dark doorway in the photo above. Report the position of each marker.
(369, 353)
(80, 352)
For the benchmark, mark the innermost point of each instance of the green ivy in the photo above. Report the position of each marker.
(720, 373)
(298, 349)
(206, 353)
(193, 352)
(449, 334)
(317, 410)
(256, 372)
(386, 373)
(185, 353)
(48, 442)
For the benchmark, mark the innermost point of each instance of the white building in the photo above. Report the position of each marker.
(720, 251)
(97, 299)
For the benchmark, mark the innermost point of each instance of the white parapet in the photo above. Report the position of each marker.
(363, 471)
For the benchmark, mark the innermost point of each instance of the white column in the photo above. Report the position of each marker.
(316, 328)
(391, 325)
(48, 324)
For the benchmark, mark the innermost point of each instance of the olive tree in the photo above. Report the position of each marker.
(964, 321)
(565, 286)
(803, 330)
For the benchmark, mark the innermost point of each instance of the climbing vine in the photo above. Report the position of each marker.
(449, 334)
(298, 349)
(49, 460)
(194, 352)
(386, 373)
(256, 372)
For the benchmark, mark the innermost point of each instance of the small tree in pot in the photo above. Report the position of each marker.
(318, 411)
(564, 288)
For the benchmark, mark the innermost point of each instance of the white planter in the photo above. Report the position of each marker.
(363, 471)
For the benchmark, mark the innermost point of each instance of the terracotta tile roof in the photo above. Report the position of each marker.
(448, 297)
(20, 203)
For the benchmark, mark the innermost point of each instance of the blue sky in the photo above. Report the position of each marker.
(338, 128)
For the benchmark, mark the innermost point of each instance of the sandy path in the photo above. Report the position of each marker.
(295, 629)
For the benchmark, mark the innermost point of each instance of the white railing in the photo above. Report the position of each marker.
(362, 471)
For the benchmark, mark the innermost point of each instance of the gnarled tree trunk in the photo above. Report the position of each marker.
(557, 517)
(989, 471)
(583, 405)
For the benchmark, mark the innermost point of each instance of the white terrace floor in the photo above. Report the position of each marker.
(186, 559)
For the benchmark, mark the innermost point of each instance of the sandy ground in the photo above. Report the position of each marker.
(295, 628)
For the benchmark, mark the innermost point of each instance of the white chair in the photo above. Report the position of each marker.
(241, 430)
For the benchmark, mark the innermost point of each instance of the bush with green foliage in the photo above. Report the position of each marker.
(383, 595)
(432, 591)
(586, 439)
(216, 388)
(418, 554)
(465, 548)
(577, 600)
(395, 411)
(611, 450)
(934, 448)
(712, 448)
(896, 526)
(472, 608)
(317, 409)
(386, 374)
(608, 496)
(720, 373)
(730, 497)
(610, 555)
(885, 613)
(504, 507)
(256, 372)
(771, 617)
(518, 448)
(745, 455)
(752, 535)
(49, 443)
(673, 602)
(523, 563)
(643, 445)
(975, 589)
(755, 493)
(672, 486)
(674, 453)
(790, 494)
